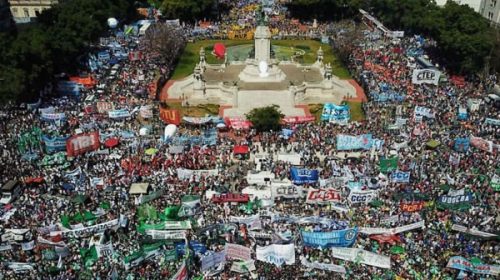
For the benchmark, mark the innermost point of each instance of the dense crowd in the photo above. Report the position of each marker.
(139, 205)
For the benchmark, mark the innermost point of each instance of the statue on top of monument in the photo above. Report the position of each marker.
(261, 17)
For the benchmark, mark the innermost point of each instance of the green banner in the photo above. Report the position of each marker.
(147, 212)
(388, 164)
(152, 196)
(89, 256)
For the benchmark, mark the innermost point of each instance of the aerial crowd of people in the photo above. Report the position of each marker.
(93, 189)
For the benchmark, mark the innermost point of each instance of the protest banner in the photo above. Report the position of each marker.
(185, 174)
(230, 197)
(5, 247)
(152, 196)
(146, 111)
(400, 177)
(87, 231)
(243, 266)
(492, 121)
(276, 254)
(303, 175)
(170, 235)
(19, 267)
(54, 144)
(297, 120)
(361, 196)
(182, 273)
(472, 231)
(335, 113)
(348, 142)
(461, 144)
(464, 264)
(495, 183)
(289, 191)
(177, 225)
(214, 259)
(322, 196)
(481, 144)
(388, 164)
(119, 114)
(235, 251)
(252, 222)
(170, 116)
(104, 107)
(455, 202)
(413, 206)
(82, 143)
(53, 117)
(370, 231)
(323, 266)
(423, 112)
(425, 76)
(104, 250)
(28, 246)
(342, 238)
(361, 256)
(197, 247)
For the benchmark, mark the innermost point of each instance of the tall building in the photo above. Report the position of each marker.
(474, 4)
(490, 9)
(6, 22)
(25, 10)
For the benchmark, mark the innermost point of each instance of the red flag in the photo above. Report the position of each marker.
(386, 238)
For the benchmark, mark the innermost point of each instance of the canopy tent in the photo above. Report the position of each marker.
(219, 50)
(139, 188)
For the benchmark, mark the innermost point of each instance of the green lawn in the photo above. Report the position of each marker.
(190, 56)
(195, 111)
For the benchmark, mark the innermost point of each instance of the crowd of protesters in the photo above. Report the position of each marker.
(76, 217)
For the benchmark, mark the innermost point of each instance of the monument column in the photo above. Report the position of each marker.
(262, 44)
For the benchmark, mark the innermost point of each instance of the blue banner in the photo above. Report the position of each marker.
(53, 117)
(348, 142)
(336, 114)
(54, 144)
(462, 114)
(400, 177)
(461, 144)
(196, 246)
(386, 96)
(116, 114)
(304, 176)
(337, 238)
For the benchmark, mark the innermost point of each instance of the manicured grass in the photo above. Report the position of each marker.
(357, 113)
(190, 56)
(195, 111)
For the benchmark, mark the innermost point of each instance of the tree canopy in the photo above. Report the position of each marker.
(464, 38)
(266, 118)
(32, 55)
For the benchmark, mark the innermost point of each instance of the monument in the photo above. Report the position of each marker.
(262, 80)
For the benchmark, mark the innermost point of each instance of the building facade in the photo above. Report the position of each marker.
(490, 9)
(474, 4)
(25, 10)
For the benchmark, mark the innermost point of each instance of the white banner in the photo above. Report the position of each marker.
(277, 254)
(321, 196)
(20, 267)
(163, 234)
(472, 231)
(323, 266)
(146, 112)
(425, 76)
(361, 196)
(235, 251)
(6, 247)
(48, 242)
(212, 260)
(361, 256)
(370, 231)
(252, 222)
(86, 231)
(117, 114)
(104, 250)
(185, 174)
(293, 159)
(287, 191)
(28, 246)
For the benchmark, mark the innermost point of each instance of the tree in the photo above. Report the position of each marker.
(266, 118)
(187, 9)
(165, 41)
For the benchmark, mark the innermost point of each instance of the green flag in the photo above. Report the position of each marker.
(89, 216)
(89, 256)
(171, 213)
(495, 183)
(65, 221)
(388, 164)
(105, 205)
(397, 250)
